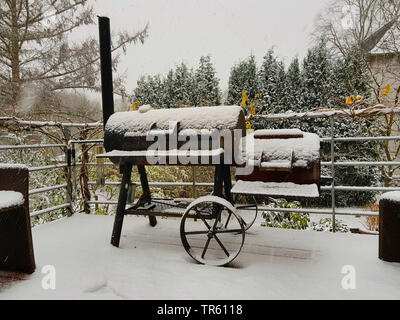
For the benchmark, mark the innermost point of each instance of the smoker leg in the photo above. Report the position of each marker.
(218, 180)
(228, 184)
(123, 195)
(146, 197)
(227, 181)
(218, 187)
(153, 221)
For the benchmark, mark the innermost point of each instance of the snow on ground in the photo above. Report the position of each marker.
(152, 264)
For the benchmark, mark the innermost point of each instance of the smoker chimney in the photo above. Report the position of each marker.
(106, 69)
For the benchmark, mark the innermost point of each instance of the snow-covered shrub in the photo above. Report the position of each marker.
(285, 220)
(325, 225)
(296, 220)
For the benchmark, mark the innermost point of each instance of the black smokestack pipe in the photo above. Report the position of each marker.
(106, 69)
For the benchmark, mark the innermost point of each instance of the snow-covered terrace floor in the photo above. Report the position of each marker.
(152, 264)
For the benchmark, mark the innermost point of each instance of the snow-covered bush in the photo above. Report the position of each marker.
(285, 220)
(297, 220)
(325, 225)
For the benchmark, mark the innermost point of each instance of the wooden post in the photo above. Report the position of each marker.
(389, 229)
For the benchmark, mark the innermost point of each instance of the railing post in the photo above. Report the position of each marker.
(74, 182)
(333, 175)
(85, 179)
(68, 171)
(68, 153)
(194, 181)
(84, 175)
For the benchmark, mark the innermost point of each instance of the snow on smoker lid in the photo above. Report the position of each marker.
(10, 199)
(13, 166)
(301, 151)
(220, 117)
(391, 196)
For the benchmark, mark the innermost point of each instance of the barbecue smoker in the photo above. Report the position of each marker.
(268, 163)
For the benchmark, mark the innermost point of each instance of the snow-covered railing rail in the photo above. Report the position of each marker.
(48, 210)
(31, 146)
(46, 189)
(371, 112)
(40, 124)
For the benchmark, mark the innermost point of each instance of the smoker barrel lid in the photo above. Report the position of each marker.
(198, 118)
(219, 117)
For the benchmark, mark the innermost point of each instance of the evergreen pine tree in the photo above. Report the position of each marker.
(293, 87)
(169, 90)
(271, 79)
(207, 84)
(183, 86)
(243, 76)
(352, 76)
(150, 90)
(143, 90)
(317, 78)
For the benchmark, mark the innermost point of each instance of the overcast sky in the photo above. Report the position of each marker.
(228, 30)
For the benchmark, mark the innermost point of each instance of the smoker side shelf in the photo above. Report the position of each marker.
(276, 189)
(161, 153)
(166, 157)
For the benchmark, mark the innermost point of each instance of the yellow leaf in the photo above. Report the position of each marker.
(134, 105)
(244, 99)
(349, 101)
(387, 90)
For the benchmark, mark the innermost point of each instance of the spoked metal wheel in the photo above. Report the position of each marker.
(217, 234)
(247, 208)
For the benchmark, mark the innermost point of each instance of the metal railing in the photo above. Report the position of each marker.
(45, 189)
(70, 163)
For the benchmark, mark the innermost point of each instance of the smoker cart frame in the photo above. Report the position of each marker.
(218, 208)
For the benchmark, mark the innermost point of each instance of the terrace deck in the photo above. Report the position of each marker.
(151, 264)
